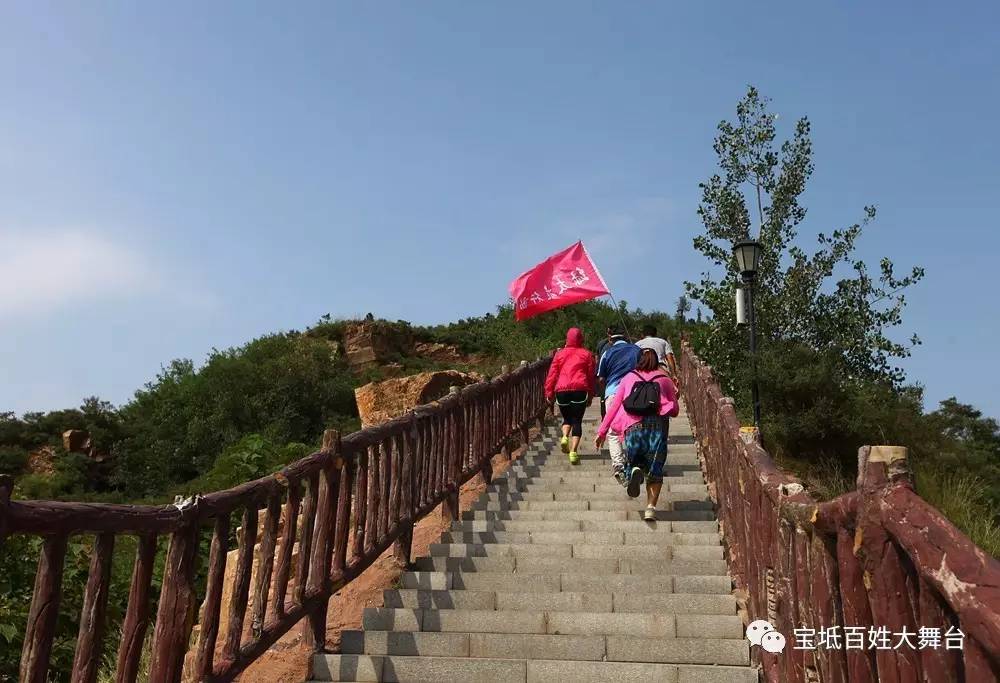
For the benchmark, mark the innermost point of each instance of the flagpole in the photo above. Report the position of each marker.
(621, 317)
(604, 282)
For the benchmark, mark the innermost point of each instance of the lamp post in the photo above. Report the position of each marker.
(748, 255)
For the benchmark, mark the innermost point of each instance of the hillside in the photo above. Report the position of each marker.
(247, 410)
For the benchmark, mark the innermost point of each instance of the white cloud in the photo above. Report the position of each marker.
(44, 271)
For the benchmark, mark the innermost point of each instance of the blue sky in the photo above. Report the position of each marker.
(181, 176)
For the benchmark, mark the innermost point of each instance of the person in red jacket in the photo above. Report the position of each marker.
(571, 383)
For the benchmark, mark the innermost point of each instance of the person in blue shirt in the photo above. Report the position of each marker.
(618, 359)
(604, 343)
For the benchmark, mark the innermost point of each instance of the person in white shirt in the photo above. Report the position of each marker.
(664, 353)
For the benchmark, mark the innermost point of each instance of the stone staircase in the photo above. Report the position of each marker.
(553, 576)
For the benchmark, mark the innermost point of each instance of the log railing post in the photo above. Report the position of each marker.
(290, 524)
(241, 584)
(449, 455)
(314, 630)
(43, 612)
(87, 659)
(360, 507)
(408, 493)
(175, 611)
(265, 564)
(344, 462)
(306, 539)
(208, 632)
(137, 614)
(881, 469)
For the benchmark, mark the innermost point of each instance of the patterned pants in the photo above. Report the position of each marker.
(646, 446)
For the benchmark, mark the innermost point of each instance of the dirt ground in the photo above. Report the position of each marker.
(289, 661)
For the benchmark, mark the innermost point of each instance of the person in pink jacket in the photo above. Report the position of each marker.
(639, 414)
(570, 382)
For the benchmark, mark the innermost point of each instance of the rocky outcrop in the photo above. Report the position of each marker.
(76, 441)
(42, 461)
(79, 441)
(379, 402)
(443, 353)
(370, 342)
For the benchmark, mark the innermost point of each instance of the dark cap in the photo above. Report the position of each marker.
(616, 331)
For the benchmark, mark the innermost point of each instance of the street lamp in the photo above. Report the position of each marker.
(747, 254)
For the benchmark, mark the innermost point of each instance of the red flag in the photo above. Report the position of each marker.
(562, 279)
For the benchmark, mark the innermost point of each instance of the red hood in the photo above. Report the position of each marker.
(574, 337)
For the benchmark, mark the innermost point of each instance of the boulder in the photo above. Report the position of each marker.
(370, 342)
(379, 402)
(76, 441)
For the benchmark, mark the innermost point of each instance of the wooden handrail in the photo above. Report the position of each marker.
(380, 479)
(877, 556)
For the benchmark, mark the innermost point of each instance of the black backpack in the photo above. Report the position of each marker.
(644, 399)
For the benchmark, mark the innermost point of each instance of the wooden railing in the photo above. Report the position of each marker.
(879, 556)
(326, 518)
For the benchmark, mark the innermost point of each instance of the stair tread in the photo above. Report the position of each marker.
(554, 575)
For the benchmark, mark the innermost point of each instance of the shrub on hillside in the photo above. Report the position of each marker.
(13, 459)
(286, 387)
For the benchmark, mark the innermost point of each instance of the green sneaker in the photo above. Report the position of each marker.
(564, 444)
(574, 458)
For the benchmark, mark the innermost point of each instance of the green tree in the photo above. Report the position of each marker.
(756, 195)
(683, 306)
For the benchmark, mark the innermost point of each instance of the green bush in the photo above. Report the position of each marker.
(13, 459)
(68, 479)
(250, 458)
(285, 387)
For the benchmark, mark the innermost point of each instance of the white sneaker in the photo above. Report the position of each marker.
(650, 514)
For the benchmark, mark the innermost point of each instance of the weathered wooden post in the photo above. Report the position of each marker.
(526, 419)
(290, 523)
(403, 545)
(450, 505)
(318, 582)
(44, 610)
(137, 615)
(247, 535)
(265, 564)
(889, 585)
(208, 632)
(87, 658)
(175, 611)
(346, 463)
(505, 414)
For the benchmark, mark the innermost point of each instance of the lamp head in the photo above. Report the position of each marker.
(747, 254)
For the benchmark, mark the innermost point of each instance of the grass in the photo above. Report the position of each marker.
(959, 496)
(106, 674)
